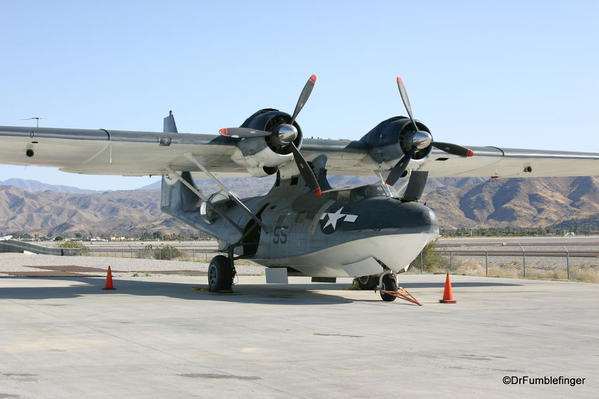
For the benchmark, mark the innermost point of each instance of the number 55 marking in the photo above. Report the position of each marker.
(280, 235)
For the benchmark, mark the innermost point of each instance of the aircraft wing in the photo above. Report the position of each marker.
(115, 152)
(137, 153)
(486, 162)
(133, 153)
(510, 162)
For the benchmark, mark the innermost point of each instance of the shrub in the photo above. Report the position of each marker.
(433, 261)
(73, 245)
(167, 252)
(146, 253)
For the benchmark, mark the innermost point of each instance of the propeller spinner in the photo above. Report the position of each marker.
(285, 134)
(419, 140)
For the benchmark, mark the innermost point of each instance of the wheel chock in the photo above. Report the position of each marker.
(402, 293)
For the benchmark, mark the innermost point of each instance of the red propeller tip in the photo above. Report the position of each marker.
(317, 192)
(470, 153)
(399, 81)
(313, 78)
(224, 132)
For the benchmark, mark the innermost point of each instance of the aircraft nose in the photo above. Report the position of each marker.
(418, 217)
(392, 214)
(381, 216)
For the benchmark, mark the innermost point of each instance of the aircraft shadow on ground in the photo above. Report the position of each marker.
(292, 294)
(464, 284)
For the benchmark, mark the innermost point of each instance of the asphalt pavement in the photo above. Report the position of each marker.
(166, 336)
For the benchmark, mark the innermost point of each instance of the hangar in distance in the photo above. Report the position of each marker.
(302, 226)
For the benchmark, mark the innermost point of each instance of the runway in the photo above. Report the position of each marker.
(166, 336)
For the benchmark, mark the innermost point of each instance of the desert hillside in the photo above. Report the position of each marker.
(473, 203)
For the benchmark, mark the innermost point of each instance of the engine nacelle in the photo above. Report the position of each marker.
(388, 140)
(262, 156)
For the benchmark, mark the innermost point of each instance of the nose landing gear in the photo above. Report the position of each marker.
(389, 290)
(388, 284)
(366, 283)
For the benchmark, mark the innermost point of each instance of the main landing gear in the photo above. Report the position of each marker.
(221, 273)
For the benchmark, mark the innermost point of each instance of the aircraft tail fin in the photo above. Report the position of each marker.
(169, 125)
(180, 202)
(177, 197)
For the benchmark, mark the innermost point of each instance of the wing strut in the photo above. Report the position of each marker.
(231, 194)
(201, 195)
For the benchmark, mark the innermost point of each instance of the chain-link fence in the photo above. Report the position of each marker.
(565, 264)
(151, 251)
(576, 263)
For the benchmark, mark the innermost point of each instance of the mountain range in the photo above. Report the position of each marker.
(35, 186)
(28, 206)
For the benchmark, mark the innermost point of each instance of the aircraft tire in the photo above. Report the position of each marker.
(389, 284)
(367, 283)
(220, 274)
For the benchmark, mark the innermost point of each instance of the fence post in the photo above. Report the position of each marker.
(486, 263)
(567, 263)
(450, 260)
(523, 262)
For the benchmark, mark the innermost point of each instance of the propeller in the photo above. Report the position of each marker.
(285, 134)
(304, 96)
(419, 140)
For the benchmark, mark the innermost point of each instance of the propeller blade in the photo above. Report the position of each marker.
(398, 170)
(454, 149)
(306, 171)
(242, 132)
(303, 98)
(406, 101)
(415, 186)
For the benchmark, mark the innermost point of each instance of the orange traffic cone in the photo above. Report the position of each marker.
(447, 293)
(108, 285)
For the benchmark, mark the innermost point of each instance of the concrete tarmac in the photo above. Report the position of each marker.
(162, 337)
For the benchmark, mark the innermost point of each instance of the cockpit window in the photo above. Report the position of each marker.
(343, 196)
(348, 196)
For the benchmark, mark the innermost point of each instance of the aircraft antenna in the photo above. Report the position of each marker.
(37, 120)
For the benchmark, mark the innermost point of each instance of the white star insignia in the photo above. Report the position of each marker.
(335, 217)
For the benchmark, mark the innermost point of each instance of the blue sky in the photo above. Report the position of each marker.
(512, 74)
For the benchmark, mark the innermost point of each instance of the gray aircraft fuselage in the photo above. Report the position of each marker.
(348, 232)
